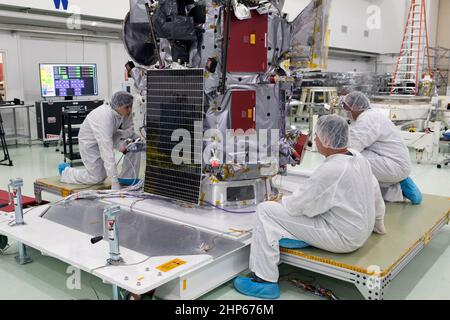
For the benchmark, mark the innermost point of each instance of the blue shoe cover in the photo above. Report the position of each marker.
(264, 290)
(411, 191)
(129, 182)
(293, 244)
(62, 167)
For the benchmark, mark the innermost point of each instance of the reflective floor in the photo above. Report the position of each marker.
(426, 277)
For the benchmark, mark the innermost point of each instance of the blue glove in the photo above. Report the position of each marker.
(447, 135)
(63, 166)
(411, 191)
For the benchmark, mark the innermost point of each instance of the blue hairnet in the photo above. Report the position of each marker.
(120, 99)
(332, 131)
(357, 101)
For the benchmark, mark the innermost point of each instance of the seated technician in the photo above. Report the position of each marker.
(105, 129)
(380, 142)
(336, 209)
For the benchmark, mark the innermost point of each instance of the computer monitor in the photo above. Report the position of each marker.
(68, 80)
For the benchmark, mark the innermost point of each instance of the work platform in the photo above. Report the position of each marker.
(373, 267)
(54, 186)
(163, 244)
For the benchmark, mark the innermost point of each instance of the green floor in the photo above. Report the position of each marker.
(426, 277)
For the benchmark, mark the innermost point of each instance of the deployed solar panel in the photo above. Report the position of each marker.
(174, 102)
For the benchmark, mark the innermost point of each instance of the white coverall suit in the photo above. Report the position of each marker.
(102, 131)
(336, 209)
(380, 142)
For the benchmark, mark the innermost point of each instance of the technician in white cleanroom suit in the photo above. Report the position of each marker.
(336, 209)
(105, 129)
(380, 142)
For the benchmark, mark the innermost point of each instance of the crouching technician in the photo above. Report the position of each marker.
(104, 130)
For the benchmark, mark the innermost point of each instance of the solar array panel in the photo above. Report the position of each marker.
(174, 101)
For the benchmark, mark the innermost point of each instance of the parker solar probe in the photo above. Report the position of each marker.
(223, 74)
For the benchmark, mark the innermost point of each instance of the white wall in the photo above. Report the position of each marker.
(25, 52)
(118, 57)
(115, 9)
(393, 20)
(433, 20)
(444, 24)
(346, 65)
(355, 14)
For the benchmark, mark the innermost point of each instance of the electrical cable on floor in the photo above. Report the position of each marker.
(315, 290)
(308, 286)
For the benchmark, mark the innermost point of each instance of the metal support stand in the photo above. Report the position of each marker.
(110, 220)
(116, 292)
(110, 227)
(16, 185)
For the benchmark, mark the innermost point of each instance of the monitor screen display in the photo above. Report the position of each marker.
(68, 80)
